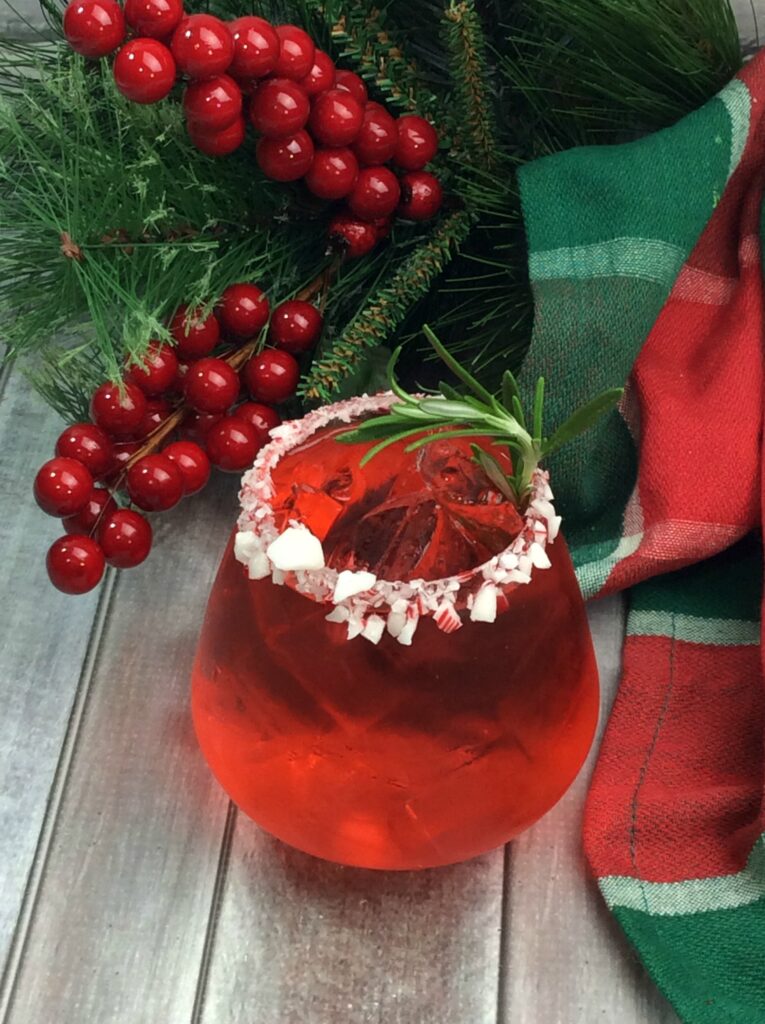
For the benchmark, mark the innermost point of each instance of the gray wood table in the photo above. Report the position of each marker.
(132, 892)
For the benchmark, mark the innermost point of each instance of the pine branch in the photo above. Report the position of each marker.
(472, 111)
(387, 307)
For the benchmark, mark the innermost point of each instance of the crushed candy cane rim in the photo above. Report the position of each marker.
(369, 606)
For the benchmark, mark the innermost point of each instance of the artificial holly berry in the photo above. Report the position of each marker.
(157, 370)
(154, 483)
(295, 326)
(122, 454)
(332, 173)
(94, 28)
(296, 52)
(157, 411)
(144, 70)
(321, 76)
(99, 504)
(272, 376)
(194, 339)
(351, 82)
(417, 142)
(62, 487)
(376, 193)
(336, 117)
(232, 444)
(279, 108)
(213, 104)
(262, 417)
(352, 236)
(256, 47)
(193, 463)
(125, 538)
(202, 46)
(89, 445)
(118, 409)
(219, 143)
(243, 311)
(155, 18)
(285, 159)
(196, 425)
(421, 196)
(211, 385)
(377, 138)
(75, 564)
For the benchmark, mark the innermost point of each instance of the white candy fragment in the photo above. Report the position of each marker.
(485, 604)
(246, 544)
(525, 565)
(447, 617)
(296, 548)
(538, 556)
(339, 614)
(374, 628)
(258, 566)
(395, 623)
(508, 560)
(350, 583)
(405, 635)
(516, 576)
(553, 528)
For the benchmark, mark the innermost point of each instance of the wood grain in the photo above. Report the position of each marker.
(565, 959)
(45, 640)
(121, 915)
(305, 942)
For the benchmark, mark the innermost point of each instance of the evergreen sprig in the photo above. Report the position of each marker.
(472, 112)
(387, 307)
(478, 413)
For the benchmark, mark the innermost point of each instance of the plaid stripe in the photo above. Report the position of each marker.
(645, 261)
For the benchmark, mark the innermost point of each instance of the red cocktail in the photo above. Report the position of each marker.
(421, 685)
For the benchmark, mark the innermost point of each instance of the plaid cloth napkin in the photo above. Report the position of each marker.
(646, 264)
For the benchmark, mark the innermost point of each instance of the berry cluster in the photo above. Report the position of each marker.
(314, 121)
(154, 436)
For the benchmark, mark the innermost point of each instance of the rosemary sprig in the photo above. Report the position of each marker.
(478, 413)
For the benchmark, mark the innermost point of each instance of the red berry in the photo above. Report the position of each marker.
(321, 76)
(376, 193)
(232, 444)
(211, 385)
(336, 117)
(352, 236)
(213, 104)
(295, 326)
(144, 70)
(296, 52)
(262, 417)
(94, 27)
(155, 18)
(157, 411)
(377, 138)
(198, 337)
(421, 196)
(202, 46)
(99, 504)
(333, 173)
(75, 564)
(272, 376)
(417, 142)
(243, 311)
(220, 143)
(89, 445)
(154, 483)
(62, 487)
(196, 425)
(193, 463)
(122, 455)
(125, 538)
(279, 108)
(351, 82)
(256, 47)
(285, 159)
(117, 409)
(157, 371)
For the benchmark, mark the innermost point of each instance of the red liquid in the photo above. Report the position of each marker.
(390, 756)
